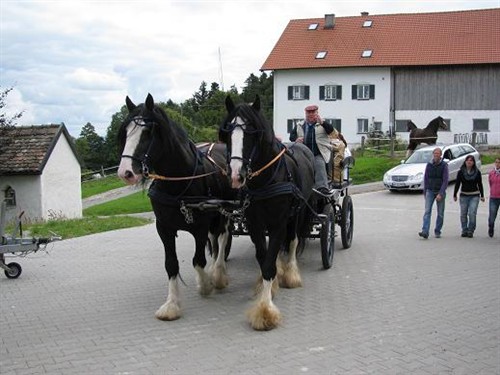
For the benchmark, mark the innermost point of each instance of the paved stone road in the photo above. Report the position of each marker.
(392, 304)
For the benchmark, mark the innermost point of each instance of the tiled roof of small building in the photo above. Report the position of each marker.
(26, 149)
(445, 38)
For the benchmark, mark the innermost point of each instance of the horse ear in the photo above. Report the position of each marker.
(150, 102)
(130, 105)
(256, 103)
(229, 104)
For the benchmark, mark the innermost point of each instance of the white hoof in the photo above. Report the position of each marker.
(168, 311)
(220, 278)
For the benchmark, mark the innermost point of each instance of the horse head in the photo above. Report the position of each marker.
(410, 126)
(438, 123)
(243, 129)
(136, 140)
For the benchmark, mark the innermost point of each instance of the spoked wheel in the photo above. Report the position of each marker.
(347, 222)
(327, 237)
(14, 270)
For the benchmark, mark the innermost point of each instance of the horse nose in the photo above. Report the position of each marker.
(128, 176)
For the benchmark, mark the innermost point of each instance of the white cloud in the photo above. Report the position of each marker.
(75, 61)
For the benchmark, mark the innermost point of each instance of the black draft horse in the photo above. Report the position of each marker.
(279, 183)
(184, 175)
(427, 135)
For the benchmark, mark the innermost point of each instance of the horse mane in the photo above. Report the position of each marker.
(252, 114)
(411, 125)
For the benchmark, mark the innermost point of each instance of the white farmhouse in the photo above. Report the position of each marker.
(377, 72)
(39, 173)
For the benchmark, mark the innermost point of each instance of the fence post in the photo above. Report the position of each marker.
(473, 141)
(362, 145)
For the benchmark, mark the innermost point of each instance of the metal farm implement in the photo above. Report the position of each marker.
(18, 245)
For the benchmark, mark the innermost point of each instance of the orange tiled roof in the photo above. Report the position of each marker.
(445, 38)
(26, 149)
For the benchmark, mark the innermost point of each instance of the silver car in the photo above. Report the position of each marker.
(409, 175)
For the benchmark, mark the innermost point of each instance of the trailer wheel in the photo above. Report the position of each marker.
(14, 270)
(327, 237)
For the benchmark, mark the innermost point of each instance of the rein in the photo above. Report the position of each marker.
(276, 158)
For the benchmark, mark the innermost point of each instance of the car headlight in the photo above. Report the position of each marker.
(417, 177)
(387, 178)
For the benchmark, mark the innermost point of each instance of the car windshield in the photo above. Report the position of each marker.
(418, 157)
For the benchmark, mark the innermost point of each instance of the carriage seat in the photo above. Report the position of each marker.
(340, 178)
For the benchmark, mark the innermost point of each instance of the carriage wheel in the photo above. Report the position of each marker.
(14, 270)
(347, 222)
(327, 237)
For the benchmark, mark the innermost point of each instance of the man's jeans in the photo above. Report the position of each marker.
(430, 197)
(468, 212)
(494, 204)
(320, 177)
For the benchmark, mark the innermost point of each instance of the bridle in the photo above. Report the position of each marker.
(145, 161)
(229, 128)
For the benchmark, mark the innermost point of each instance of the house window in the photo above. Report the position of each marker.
(363, 92)
(480, 125)
(291, 123)
(330, 92)
(448, 122)
(367, 53)
(362, 125)
(321, 55)
(10, 197)
(298, 92)
(402, 125)
(336, 122)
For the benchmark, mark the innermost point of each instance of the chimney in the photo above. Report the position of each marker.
(329, 21)
(364, 14)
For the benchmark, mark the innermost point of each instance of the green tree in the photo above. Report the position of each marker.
(6, 122)
(90, 147)
(263, 86)
(111, 146)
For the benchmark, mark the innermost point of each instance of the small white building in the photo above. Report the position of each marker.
(40, 174)
(377, 72)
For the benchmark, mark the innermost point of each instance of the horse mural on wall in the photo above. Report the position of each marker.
(428, 135)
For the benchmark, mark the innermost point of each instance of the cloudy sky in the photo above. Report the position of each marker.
(75, 61)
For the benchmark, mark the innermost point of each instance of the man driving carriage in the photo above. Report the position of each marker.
(321, 138)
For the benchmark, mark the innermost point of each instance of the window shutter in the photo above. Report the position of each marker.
(354, 91)
(339, 92)
(372, 91)
(290, 92)
(338, 125)
(306, 92)
(322, 93)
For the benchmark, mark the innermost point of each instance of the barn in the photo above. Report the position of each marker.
(39, 173)
(376, 72)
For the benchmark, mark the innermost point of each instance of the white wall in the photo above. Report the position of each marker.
(61, 186)
(28, 196)
(347, 110)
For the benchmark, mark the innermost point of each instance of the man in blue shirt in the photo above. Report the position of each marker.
(313, 132)
(435, 184)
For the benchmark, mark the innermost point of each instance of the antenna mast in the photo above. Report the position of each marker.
(221, 74)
